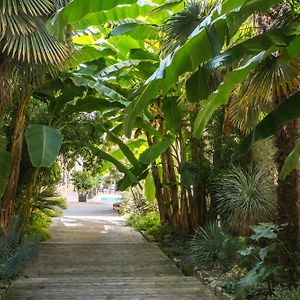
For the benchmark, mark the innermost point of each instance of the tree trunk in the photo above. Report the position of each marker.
(198, 203)
(287, 191)
(8, 200)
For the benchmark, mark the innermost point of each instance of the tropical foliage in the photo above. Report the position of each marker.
(165, 95)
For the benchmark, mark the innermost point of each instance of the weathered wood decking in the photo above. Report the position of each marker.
(92, 255)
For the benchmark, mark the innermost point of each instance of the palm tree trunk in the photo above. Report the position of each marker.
(8, 200)
(287, 190)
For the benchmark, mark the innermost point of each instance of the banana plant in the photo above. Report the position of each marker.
(210, 36)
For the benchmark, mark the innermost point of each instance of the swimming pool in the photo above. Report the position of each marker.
(111, 198)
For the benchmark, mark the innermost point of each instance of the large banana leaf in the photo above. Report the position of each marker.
(291, 162)
(140, 172)
(76, 10)
(122, 168)
(153, 152)
(172, 113)
(88, 104)
(5, 166)
(136, 30)
(119, 155)
(123, 147)
(68, 94)
(43, 143)
(150, 188)
(102, 88)
(211, 34)
(115, 14)
(288, 110)
(116, 68)
(87, 53)
(145, 159)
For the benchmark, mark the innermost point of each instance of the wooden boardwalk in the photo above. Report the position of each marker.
(93, 256)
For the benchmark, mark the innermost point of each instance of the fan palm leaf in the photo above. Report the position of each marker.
(28, 7)
(24, 40)
(275, 77)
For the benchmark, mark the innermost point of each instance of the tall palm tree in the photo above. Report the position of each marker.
(27, 52)
(273, 81)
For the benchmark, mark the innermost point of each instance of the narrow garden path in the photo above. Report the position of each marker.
(92, 255)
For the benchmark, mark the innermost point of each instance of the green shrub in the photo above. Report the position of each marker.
(264, 250)
(38, 225)
(51, 206)
(150, 222)
(84, 180)
(211, 246)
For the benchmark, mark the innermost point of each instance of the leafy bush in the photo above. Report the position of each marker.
(245, 197)
(150, 222)
(44, 209)
(51, 206)
(84, 180)
(211, 246)
(265, 249)
(38, 224)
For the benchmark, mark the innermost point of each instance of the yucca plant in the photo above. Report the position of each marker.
(211, 246)
(245, 196)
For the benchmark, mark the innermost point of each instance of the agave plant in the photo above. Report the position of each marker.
(245, 196)
(211, 246)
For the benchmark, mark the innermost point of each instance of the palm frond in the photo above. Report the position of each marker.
(177, 29)
(26, 48)
(61, 3)
(38, 47)
(29, 7)
(275, 77)
(16, 24)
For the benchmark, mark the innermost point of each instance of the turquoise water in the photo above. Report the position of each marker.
(113, 199)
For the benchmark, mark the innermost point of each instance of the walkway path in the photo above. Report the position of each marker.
(92, 255)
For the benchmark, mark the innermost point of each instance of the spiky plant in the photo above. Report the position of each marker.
(245, 196)
(211, 246)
